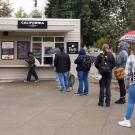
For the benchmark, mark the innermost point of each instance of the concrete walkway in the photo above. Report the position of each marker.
(40, 109)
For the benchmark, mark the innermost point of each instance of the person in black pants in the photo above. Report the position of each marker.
(105, 62)
(121, 60)
(31, 62)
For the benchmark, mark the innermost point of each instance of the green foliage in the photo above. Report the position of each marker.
(21, 13)
(100, 19)
(5, 9)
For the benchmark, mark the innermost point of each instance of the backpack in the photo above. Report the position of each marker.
(86, 64)
(105, 66)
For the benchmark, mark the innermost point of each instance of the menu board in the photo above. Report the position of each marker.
(7, 50)
(23, 47)
(37, 51)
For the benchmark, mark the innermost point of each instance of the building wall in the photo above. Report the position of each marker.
(16, 69)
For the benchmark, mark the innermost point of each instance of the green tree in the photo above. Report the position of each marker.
(21, 13)
(5, 9)
(100, 19)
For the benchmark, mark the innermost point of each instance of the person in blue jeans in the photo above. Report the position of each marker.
(62, 64)
(83, 88)
(130, 86)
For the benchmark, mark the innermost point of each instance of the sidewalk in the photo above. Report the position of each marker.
(40, 109)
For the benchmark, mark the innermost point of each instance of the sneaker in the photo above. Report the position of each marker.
(78, 94)
(120, 101)
(25, 81)
(36, 81)
(86, 94)
(125, 123)
(100, 104)
(107, 105)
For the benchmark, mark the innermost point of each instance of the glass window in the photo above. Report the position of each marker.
(48, 39)
(37, 38)
(59, 39)
(58, 45)
(48, 60)
(37, 51)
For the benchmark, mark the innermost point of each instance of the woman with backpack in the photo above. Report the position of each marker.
(105, 62)
(82, 73)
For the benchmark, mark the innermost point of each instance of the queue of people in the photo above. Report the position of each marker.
(106, 62)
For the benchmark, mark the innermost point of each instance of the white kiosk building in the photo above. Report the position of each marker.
(19, 36)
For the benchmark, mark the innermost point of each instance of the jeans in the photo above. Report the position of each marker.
(122, 88)
(57, 79)
(32, 72)
(64, 80)
(131, 102)
(83, 82)
(104, 84)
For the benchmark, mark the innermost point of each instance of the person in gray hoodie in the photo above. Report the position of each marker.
(121, 59)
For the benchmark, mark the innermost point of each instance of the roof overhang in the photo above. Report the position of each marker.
(50, 28)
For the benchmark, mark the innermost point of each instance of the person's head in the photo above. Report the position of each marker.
(30, 54)
(105, 48)
(62, 49)
(123, 46)
(82, 52)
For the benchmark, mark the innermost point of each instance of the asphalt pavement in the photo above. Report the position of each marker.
(41, 109)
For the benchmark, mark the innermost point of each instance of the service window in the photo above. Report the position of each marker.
(47, 57)
(37, 50)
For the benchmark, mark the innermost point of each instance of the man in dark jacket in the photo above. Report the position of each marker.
(82, 74)
(62, 64)
(31, 63)
(105, 62)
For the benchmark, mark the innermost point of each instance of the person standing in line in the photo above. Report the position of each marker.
(62, 64)
(31, 64)
(121, 60)
(105, 62)
(82, 74)
(130, 87)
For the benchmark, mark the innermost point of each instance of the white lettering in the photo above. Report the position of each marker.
(32, 22)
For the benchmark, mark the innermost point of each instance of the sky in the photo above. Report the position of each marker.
(27, 5)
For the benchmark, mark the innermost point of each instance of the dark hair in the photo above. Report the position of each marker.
(61, 49)
(30, 53)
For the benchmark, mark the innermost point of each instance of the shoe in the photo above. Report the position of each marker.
(86, 94)
(25, 81)
(120, 101)
(107, 105)
(125, 123)
(36, 81)
(67, 90)
(78, 94)
(100, 104)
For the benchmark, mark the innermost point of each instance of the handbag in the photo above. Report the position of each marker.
(119, 73)
(37, 63)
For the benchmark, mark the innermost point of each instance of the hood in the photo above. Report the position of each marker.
(123, 46)
(82, 52)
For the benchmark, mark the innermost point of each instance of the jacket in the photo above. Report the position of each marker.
(111, 61)
(31, 61)
(122, 55)
(79, 60)
(62, 62)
